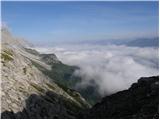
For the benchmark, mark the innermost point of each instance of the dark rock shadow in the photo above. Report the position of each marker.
(140, 101)
(45, 106)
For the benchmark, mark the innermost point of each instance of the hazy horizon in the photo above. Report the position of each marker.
(47, 23)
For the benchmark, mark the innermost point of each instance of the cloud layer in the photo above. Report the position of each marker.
(113, 68)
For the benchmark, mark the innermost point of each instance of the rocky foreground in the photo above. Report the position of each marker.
(141, 100)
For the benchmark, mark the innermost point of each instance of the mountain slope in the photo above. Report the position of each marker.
(33, 87)
(141, 100)
(64, 76)
(22, 81)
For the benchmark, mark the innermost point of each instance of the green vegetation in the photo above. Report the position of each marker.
(63, 76)
(71, 92)
(7, 55)
(90, 94)
(76, 96)
(50, 86)
(9, 52)
(41, 68)
(61, 73)
(72, 106)
(37, 87)
(32, 51)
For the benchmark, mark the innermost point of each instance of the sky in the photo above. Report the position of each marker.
(58, 22)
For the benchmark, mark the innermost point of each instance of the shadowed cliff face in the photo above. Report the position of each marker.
(141, 100)
(50, 105)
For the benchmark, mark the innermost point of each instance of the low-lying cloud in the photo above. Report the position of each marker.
(113, 68)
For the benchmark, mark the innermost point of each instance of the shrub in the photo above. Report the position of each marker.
(6, 57)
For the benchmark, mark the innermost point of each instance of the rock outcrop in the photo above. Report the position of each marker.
(141, 100)
(25, 87)
(47, 106)
(49, 58)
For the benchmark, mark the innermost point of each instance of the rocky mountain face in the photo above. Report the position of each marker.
(49, 58)
(141, 100)
(35, 85)
(26, 91)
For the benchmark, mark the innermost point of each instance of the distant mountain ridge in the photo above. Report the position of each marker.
(144, 42)
(140, 42)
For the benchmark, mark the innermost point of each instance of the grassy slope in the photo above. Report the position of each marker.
(63, 76)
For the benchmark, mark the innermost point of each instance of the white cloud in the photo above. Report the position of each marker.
(113, 68)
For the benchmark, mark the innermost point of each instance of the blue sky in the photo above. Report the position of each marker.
(52, 22)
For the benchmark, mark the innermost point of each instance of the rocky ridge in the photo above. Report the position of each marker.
(22, 81)
(140, 101)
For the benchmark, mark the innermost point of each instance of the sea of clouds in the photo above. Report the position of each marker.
(112, 67)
